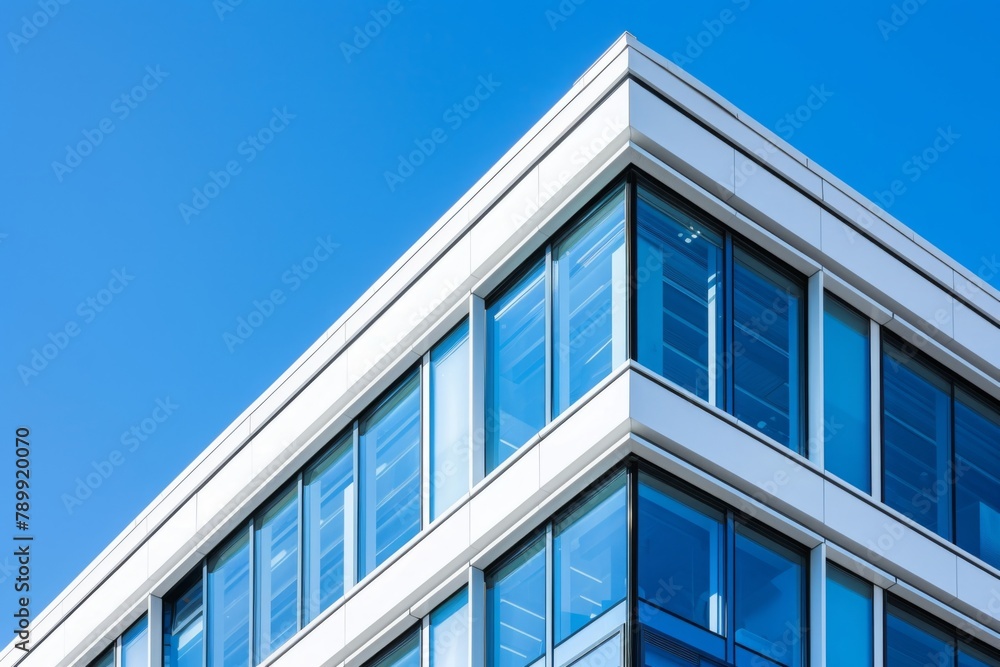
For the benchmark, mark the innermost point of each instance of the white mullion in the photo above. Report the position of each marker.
(875, 391)
(816, 444)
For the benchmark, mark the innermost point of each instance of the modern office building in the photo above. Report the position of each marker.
(658, 391)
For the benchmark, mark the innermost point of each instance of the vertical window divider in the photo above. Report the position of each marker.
(301, 546)
(879, 635)
(477, 617)
(875, 391)
(549, 361)
(477, 387)
(425, 440)
(632, 638)
(154, 631)
(881, 421)
(425, 640)
(729, 593)
(550, 559)
(952, 469)
(118, 650)
(728, 360)
(816, 590)
(251, 624)
(631, 264)
(815, 347)
(204, 611)
(352, 551)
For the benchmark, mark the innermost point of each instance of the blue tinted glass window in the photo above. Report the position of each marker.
(770, 598)
(849, 620)
(977, 477)
(591, 547)
(768, 346)
(405, 654)
(846, 394)
(328, 492)
(449, 447)
(277, 574)
(183, 642)
(680, 554)
(135, 645)
(450, 632)
(515, 603)
(229, 605)
(390, 470)
(515, 372)
(589, 295)
(106, 659)
(912, 642)
(679, 295)
(972, 657)
(916, 435)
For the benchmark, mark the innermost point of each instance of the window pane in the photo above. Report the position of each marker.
(977, 477)
(135, 645)
(276, 569)
(846, 394)
(450, 632)
(515, 600)
(106, 659)
(608, 654)
(229, 605)
(770, 598)
(679, 294)
(971, 657)
(182, 645)
(849, 619)
(515, 385)
(680, 554)
(406, 654)
(916, 434)
(768, 346)
(589, 294)
(329, 489)
(390, 468)
(450, 443)
(591, 547)
(912, 642)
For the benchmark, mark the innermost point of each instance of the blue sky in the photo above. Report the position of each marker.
(166, 165)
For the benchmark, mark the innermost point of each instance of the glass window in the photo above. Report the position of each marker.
(679, 295)
(589, 295)
(680, 554)
(846, 394)
(977, 477)
(608, 654)
(277, 575)
(972, 657)
(450, 632)
(515, 603)
(390, 468)
(449, 447)
(849, 619)
(405, 654)
(769, 599)
(591, 547)
(912, 642)
(184, 639)
(328, 494)
(106, 659)
(229, 605)
(515, 385)
(916, 436)
(135, 645)
(768, 335)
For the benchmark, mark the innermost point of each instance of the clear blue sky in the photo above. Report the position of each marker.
(198, 80)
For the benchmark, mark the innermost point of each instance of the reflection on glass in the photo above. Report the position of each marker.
(589, 295)
(449, 448)
(768, 335)
(450, 632)
(277, 577)
(912, 642)
(390, 468)
(916, 433)
(515, 603)
(591, 545)
(770, 596)
(405, 654)
(977, 477)
(846, 394)
(680, 554)
(849, 619)
(229, 605)
(135, 645)
(328, 485)
(679, 294)
(182, 647)
(515, 367)
(106, 659)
